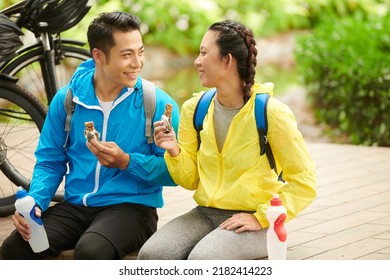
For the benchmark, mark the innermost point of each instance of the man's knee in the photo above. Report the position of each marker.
(93, 246)
(8, 250)
(15, 248)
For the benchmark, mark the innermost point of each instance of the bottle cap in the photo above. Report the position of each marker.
(276, 201)
(20, 192)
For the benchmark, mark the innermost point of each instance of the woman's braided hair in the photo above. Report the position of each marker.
(238, 40)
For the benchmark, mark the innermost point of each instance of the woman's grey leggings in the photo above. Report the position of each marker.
(196, 235)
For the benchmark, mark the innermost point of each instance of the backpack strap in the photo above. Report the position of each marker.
(262, 127)
(69, 109)
(149, 93)
(201, 111)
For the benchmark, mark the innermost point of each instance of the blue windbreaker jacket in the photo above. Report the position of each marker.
(86, 181)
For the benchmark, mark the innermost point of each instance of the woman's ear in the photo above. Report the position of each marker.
(228, 61)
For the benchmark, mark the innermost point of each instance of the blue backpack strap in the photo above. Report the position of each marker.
(201, 111)
(262, 127)
(149, 93)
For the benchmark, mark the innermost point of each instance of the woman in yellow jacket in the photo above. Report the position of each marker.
(233, 184)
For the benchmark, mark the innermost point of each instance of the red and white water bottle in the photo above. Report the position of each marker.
(276, 234)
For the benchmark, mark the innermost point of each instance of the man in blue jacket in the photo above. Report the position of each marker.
(112, 187)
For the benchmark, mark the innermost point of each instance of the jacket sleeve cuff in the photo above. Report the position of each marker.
(262, 219)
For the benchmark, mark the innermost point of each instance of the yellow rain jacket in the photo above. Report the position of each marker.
(238, 178)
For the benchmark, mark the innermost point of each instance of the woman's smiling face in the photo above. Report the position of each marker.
(209, 62)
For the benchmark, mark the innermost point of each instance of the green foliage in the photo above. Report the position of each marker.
(179, 25)
(346, 66)
(317, 8)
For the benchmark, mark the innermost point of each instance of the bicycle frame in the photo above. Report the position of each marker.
(52, 50)
(47, 65)
(52, 56)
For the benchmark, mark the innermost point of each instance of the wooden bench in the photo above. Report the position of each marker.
(68, 255)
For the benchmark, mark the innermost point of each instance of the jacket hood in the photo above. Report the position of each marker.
(263, 88)
(83, 76)
(81, 82)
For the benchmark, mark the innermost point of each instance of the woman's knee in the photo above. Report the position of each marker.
(154, 249)
(149, 252)
(224, 244)
(159, 248)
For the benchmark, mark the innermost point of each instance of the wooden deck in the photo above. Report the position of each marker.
(350, 219)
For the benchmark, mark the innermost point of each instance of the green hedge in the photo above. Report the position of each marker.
(345, 63)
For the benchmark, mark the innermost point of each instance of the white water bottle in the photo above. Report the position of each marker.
(25, 205)
(276, 234)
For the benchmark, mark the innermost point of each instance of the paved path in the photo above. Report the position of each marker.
(350, 219)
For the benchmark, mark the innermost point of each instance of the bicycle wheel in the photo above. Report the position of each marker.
(21, 121)
(26, 67)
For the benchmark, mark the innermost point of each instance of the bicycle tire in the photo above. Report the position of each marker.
(21, 120)
(26, 67)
